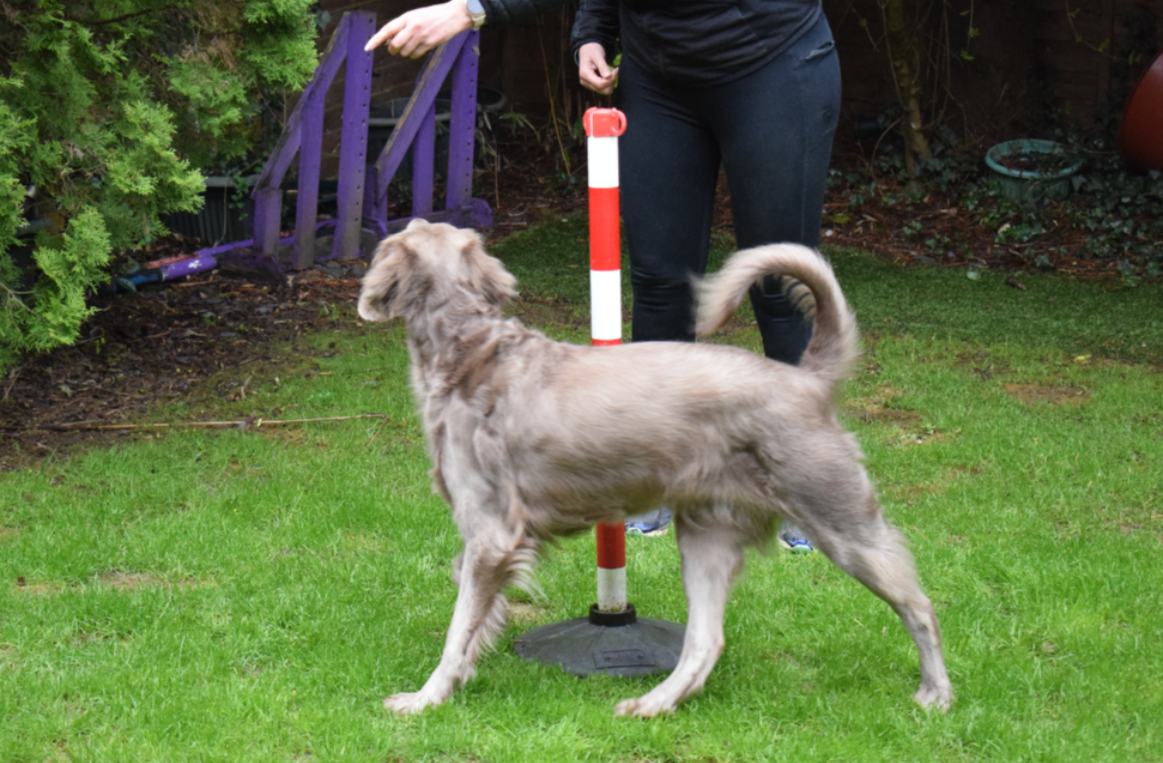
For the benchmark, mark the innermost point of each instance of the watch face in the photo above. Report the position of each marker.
(477, 12)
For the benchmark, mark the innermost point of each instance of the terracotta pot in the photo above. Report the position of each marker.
(1141, 136)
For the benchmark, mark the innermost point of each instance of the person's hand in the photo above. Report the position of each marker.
(595, 73)
(419, 31)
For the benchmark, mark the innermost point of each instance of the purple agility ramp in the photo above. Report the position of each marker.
(362, 194)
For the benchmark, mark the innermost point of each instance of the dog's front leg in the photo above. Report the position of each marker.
(711, 557)
(479, 615)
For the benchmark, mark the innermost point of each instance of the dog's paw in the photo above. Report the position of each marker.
(642, 707)
(408, 703)
(939, 697)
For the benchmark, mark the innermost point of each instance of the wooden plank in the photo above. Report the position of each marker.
(307, 199)
(423, 99)
(1104, 61)
(268, 212)
(1070, 63)
(353, 138)
(462, 126)
(291, 138)
(424, 164)
(1079, 7)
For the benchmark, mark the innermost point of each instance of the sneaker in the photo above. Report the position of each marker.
(654, 523)
(794, 542)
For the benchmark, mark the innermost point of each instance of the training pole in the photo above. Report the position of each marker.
(613, 639)
(603, 127)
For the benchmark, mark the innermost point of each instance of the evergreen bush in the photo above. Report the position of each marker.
(110, 111)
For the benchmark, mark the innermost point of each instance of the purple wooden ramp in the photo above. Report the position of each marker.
(363, 181)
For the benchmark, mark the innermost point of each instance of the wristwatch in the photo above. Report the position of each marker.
(476, 12)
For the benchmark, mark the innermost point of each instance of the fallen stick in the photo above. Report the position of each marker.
(94, 425)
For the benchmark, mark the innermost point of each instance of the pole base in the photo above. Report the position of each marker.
(606, 643)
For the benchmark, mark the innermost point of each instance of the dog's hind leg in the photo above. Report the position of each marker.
(491, 557)
(874, 553)
(711, 557)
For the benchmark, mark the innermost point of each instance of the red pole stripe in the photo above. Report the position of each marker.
(611, 546)
(605, 236)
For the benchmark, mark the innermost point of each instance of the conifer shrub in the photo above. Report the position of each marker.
(111, 111)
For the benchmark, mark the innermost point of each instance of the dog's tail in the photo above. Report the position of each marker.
(834, 347)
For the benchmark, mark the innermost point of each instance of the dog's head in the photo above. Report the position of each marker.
(431, 263)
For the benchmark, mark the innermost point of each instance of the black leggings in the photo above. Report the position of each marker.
(772, 131)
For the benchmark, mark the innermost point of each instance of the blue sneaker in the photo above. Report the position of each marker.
(654, 523)
(795, 542)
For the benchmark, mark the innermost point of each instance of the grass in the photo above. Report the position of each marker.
(253, 595)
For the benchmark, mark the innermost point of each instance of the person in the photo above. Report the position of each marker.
(751, 86)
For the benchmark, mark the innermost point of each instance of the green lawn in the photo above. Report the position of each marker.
(253, 595)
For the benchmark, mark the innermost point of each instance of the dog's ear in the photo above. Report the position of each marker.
(486, 275)
(392, 282)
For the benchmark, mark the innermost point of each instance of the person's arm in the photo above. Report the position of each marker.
(418, 31)
(593, 39)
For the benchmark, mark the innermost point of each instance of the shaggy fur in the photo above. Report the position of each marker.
(531, 438)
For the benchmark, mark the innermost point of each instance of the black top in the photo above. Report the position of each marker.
(512, 11)
(696, 41)
(692, 41)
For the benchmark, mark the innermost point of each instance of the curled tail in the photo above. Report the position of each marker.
(834, 347)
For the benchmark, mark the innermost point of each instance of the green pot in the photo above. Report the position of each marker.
(1033, 170)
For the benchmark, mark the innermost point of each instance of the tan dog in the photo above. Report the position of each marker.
(531, 438)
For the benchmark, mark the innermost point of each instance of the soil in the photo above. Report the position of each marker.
(160, 345)
(1044, 164)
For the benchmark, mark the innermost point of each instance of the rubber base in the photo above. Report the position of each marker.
(636, 647)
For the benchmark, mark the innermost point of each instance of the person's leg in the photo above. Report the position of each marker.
(776, 135)
(669, 164)
(668, 167)
(775, 129)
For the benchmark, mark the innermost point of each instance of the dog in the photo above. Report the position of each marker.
(531, 438)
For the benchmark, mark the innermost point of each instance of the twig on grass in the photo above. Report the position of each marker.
(95, 425)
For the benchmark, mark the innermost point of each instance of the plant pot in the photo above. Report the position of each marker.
(225, 215)
(1141, 133)
(488, 100)
(383, 120)
(1033, 170)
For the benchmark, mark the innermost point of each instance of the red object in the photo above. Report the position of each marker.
(611, 546)
(604, 123)
(603, 126)
(605, 236)
(1141, 135)
(166, 261)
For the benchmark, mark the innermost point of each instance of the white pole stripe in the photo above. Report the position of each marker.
(612, 589)
(606, 304)
(603, 162)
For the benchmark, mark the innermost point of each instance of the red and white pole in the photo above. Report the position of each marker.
(603, 126)
(612, 640)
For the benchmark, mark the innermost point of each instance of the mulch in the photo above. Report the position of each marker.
(948, 234)
(138, 351)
